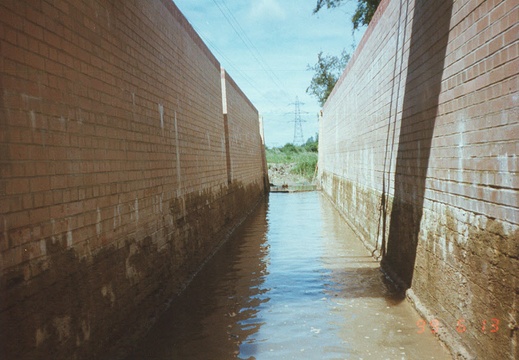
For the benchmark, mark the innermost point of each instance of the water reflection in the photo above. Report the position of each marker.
(354, 271)
(219, 309)
(292, 283)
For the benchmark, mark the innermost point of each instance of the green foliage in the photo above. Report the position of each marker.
(275, 156)
(327, 71)
(311, 145)
(363, 14)
(303, 158)
(290, 149)
(282, 155)
(305, 165)
(328, 68)
(328, 3)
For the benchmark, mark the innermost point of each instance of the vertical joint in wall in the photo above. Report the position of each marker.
(226, 126)
(227, 152)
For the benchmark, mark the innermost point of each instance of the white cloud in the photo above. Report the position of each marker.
(267, 9)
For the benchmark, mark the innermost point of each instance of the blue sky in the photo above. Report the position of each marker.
(266, 46)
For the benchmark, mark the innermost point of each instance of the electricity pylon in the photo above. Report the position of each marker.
(298, 126)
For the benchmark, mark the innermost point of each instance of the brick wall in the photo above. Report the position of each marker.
(244, 138)
(418, 149)
(113, 160)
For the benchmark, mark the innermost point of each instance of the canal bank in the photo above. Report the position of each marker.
(293, 282)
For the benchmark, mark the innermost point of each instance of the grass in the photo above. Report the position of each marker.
(305, 165)
(303, 158)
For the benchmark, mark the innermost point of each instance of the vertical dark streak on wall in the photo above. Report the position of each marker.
(391, 128)
(429, 38)
(227, 148)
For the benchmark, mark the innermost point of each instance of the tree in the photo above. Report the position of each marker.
(312, 144)
(363, 14)
(328, 68)
(327, 71)
(328, 3)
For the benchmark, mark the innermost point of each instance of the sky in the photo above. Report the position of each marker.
(266, 46)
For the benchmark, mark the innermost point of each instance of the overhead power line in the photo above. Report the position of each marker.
(232, 66)
(248, 43)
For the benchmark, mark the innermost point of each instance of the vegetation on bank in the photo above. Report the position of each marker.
(302, 158)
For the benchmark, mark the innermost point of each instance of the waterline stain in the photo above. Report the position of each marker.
(292, 283)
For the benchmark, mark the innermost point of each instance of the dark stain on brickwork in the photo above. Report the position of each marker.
(364, 218)
(57, 313)
(99, 159)
(460, 262)
(491, 264)
(474, 280)
(429, 38)
(116, 294)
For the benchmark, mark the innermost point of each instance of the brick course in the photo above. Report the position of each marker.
(418, 149)
(114, 185)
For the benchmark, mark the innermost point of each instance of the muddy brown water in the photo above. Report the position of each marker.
(292, 283)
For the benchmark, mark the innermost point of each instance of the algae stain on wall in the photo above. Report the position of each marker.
(442, 212)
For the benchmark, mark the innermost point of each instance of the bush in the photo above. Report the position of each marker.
(303, 158)
(311, 145)
(275, 156)
(305, 165)
(290, 149)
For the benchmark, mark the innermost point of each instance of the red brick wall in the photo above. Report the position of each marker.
(418, 149)
(114, 184)
(244, 137)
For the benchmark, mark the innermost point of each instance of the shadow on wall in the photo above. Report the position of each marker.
(429, 38)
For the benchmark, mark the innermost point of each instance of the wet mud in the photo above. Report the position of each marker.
(293, 282)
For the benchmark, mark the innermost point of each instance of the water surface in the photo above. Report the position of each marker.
(293, 283)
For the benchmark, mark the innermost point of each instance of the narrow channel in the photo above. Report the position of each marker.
(292, 283)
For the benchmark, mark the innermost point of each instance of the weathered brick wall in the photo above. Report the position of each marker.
(418, 149)
(114, 185)
(244, 138)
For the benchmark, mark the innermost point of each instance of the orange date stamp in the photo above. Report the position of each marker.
(487, 326)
